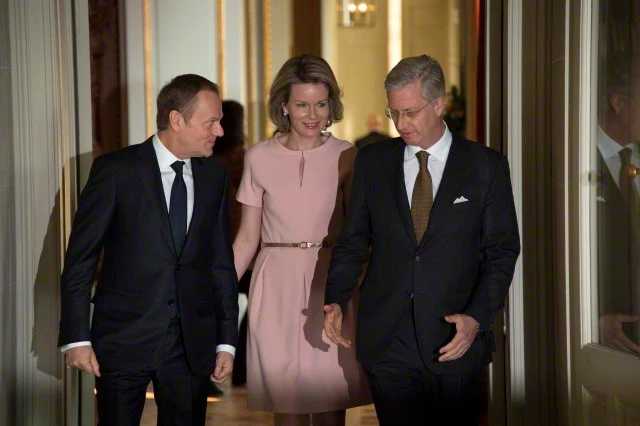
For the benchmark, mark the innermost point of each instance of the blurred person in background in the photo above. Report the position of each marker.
(374, 123)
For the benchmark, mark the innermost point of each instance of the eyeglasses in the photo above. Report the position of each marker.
(394, 114)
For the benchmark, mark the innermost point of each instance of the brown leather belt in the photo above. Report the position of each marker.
(302, 245)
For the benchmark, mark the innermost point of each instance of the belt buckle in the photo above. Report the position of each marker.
(305, 245)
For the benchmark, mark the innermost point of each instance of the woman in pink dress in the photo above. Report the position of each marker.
(294, 190)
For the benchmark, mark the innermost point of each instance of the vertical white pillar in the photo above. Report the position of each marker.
(235, 53)
(134, 36)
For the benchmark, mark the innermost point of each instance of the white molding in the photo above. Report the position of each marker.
(135, 71)
(394, 33)
(583, 329)
(394, 45)
(516, 382)
(235, 47)
(587, 118)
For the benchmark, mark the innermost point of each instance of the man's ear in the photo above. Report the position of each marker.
(618, 102)
(176, 121)
(438, 106)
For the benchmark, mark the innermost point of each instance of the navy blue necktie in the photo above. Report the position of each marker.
(178, 207)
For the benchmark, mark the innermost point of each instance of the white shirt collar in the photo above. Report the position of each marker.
(439, 150)
(166, 157)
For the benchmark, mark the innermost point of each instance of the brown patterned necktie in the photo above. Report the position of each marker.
(422, 197)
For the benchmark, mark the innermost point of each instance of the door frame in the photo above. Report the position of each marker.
(616, 383)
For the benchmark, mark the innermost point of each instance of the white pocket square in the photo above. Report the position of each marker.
(460, 200)
(601, 199)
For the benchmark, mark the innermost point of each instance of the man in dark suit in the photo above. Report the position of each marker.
(434, 216)
(618, 205)
(166, 304)
(374, 135)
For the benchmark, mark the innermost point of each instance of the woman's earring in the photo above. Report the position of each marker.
(285, 112)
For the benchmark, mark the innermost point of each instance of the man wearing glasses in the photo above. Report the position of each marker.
(434, 217)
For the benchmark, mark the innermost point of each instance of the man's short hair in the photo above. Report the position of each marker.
(424, 68)
(180, 95)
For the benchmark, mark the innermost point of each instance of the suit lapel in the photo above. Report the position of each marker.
(454, 177)
(399, 189)
(149, 172)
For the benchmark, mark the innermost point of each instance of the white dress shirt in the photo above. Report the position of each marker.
(610, 151)
(437, 159)
(167, 175)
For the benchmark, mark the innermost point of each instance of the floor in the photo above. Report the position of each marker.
(230, 409)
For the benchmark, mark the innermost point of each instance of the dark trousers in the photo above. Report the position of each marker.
(180, 396)
(406, 393)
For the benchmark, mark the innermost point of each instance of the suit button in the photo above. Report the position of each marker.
(178, 267)
(418, 259)
(171, 302)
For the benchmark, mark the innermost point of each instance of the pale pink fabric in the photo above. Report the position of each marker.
(292, 367)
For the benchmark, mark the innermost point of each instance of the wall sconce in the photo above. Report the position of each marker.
(356, 13)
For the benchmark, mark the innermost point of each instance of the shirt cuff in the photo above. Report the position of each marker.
(74, 345)
(226, 348)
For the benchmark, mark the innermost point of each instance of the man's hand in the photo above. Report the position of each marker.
(83, 358)
(224, 367)
(611, 333)
(333, 325)
(466, 331)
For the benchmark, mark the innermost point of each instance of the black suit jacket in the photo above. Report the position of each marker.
(123, 210)
(615, 278)
(464, 263)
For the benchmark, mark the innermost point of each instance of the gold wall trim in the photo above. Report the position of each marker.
(267, 59)
(148, 67)
(220, 45)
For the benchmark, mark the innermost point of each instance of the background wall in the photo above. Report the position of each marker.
(359, 60)
(359, 55)
(433, 27)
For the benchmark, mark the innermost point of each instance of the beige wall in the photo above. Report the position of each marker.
(433, 27)
(360, 64)
(7, 234)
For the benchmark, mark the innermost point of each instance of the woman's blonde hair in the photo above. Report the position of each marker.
(303, 69)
